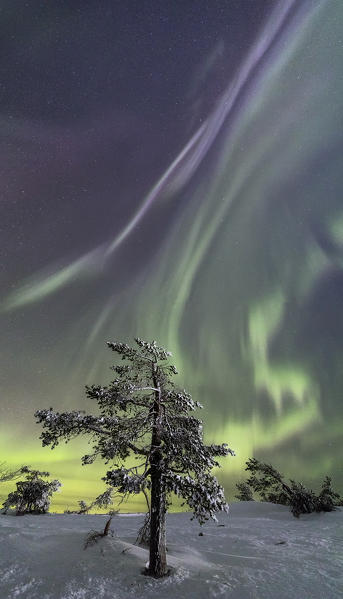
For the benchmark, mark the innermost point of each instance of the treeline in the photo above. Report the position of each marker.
(33, 494)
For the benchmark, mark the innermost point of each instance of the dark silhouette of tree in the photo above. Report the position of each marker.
(84, 508)
(142, 413)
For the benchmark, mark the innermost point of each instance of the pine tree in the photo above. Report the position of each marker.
(328, 499)
(33, 494)
(244, 492)
(84, 508)
(269, 483)
(141, 413)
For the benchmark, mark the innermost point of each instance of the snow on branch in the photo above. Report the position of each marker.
(126, 482)
(203, 494)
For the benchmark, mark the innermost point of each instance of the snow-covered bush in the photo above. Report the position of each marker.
(33, 494)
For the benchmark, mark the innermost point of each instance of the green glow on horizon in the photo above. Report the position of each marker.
(84, 482)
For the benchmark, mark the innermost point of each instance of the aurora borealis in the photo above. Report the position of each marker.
(173, 171)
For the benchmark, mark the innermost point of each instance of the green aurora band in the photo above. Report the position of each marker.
(244, 287)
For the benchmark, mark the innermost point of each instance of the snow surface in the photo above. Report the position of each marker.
(258, 551)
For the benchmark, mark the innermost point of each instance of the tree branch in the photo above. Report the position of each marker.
(128, 443)
(145, 389)
(97, 430)
(137, 449)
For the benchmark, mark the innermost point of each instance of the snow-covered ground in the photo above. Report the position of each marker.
(258, 551)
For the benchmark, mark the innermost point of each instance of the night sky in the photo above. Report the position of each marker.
(173, 170)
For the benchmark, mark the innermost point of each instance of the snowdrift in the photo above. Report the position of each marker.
(258, 551)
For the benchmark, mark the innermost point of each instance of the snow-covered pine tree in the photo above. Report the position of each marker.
(33, 494)
(269, 483)
(142, 413)
(244, 492)
(328, 499)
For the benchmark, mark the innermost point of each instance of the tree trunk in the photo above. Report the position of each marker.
(157, 558)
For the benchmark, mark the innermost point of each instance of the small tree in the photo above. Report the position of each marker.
(33, 494)
(328, 499)
(244, 492)
(142, 413)
(84, 508)
(268, 482)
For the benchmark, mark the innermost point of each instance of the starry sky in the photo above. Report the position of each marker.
(172, 170)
